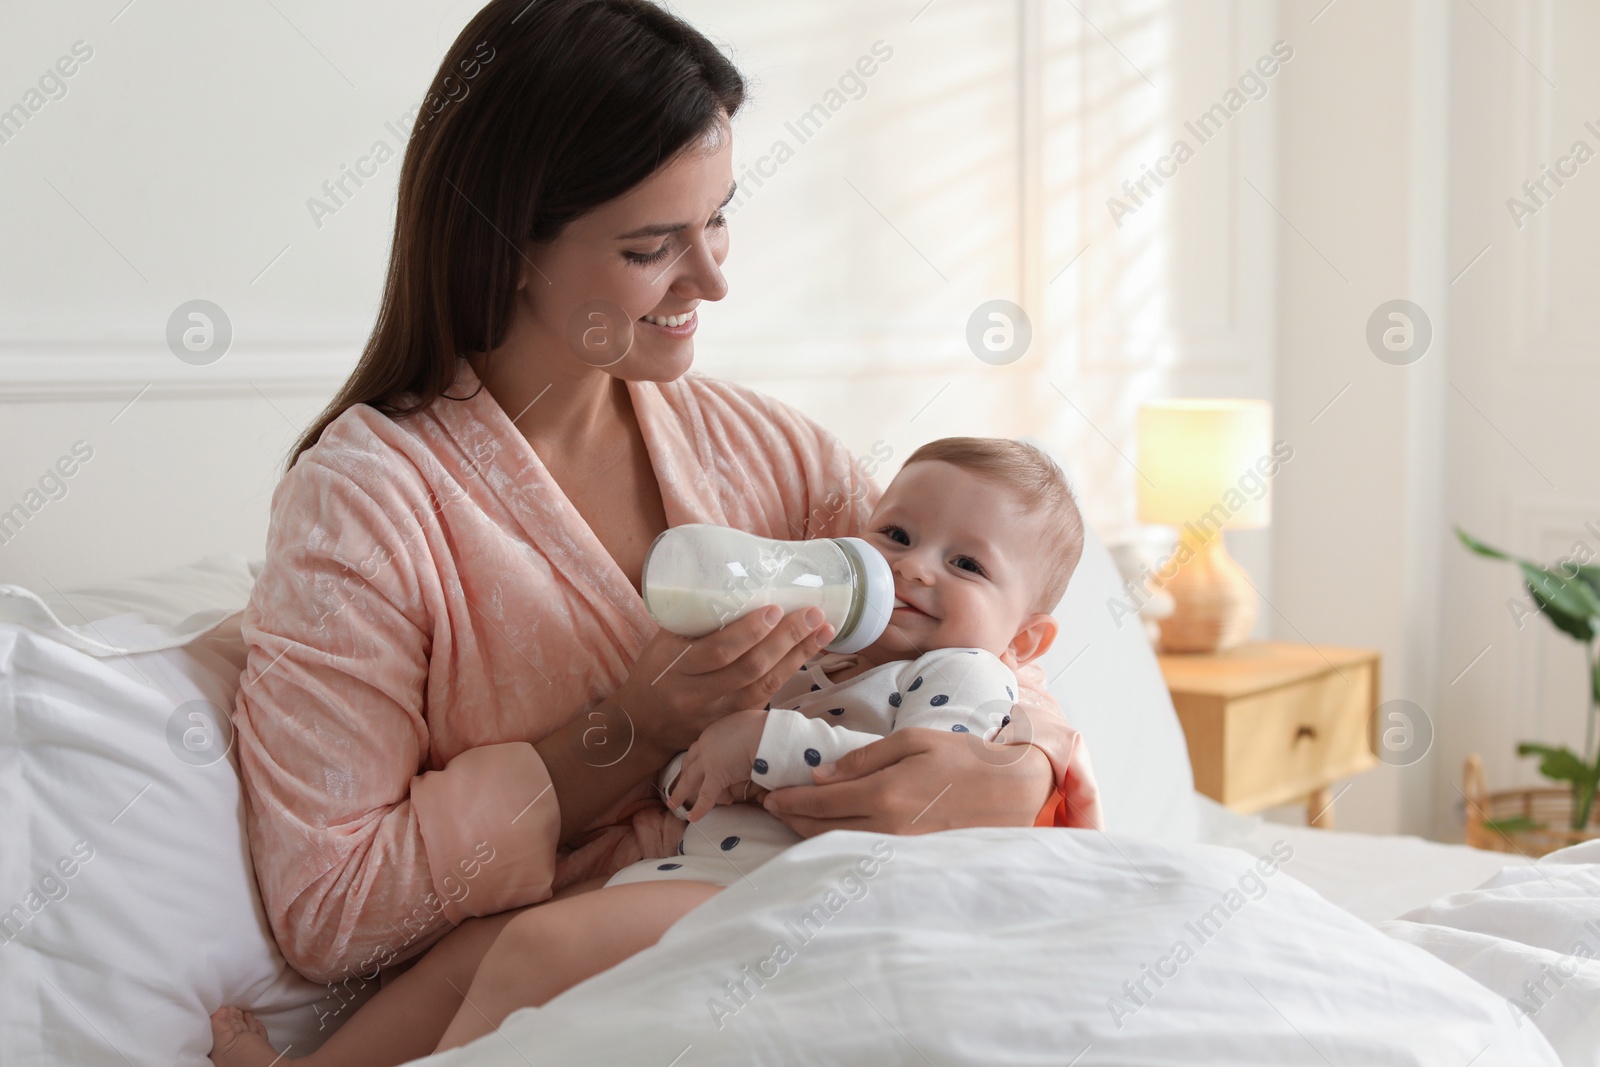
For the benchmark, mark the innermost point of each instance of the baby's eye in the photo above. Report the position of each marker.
(967, 563)
(895, 534)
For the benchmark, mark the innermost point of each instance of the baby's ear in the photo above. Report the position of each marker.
(1038, 633)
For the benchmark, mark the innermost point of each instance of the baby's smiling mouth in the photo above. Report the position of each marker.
(899, 603)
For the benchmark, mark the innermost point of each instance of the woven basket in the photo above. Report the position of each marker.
(1550, 806)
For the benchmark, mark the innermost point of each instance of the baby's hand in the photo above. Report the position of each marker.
(722, 757)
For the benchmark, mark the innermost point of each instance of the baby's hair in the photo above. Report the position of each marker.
(1040, 484)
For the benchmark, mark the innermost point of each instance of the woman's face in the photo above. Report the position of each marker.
(653, 253)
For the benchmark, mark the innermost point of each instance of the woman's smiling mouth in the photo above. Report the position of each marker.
(682, 325)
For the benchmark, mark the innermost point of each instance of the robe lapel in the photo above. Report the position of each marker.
(512, 472)
(506, 465)
(679, 444)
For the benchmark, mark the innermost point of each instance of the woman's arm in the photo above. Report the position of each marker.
(363, 857)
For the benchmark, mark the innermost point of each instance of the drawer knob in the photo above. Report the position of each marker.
(1305, 733)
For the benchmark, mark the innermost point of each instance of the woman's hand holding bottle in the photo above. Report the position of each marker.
(679, 685)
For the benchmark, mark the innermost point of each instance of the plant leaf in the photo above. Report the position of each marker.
(1559, 764)
(1478, 546)
(1513, 825)
(1571, 605)
(1589, 574)
(1571, 591)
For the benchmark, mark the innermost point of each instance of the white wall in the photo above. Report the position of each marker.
(978, 164)
(1357, 530)
(1524, 377)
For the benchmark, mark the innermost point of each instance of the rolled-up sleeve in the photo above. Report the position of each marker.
(364, 855)
(1045, 728)
(1076, 799)
(494, 799)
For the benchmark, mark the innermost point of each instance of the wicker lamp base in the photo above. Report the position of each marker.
(1214, 602)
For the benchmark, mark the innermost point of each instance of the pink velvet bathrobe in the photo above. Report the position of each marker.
(432, 605)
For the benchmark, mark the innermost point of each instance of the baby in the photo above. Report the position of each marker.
(982, 535)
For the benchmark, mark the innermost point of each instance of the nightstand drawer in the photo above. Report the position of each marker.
(1282, 744)
(1269, 723)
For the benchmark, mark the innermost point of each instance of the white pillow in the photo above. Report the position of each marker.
(128, 903)
(165, 610)
(1105, 677)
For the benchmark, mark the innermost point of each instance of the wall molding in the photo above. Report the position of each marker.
(44, 373)
(90, 371)
(1539, 343)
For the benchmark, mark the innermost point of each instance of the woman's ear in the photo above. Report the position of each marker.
(523, 267)
(1038, 633)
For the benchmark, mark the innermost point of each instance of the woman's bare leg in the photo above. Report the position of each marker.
(403, 1021)
(544, 952)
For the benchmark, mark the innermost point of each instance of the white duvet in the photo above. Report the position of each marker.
(1532, 935)
(1020, 946)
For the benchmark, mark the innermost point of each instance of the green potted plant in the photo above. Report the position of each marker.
(1569, 596)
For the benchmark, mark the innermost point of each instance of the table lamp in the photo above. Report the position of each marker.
(1204, 467)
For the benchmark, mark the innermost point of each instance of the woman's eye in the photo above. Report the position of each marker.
(648, 257)
(895, 534)
(717, 221)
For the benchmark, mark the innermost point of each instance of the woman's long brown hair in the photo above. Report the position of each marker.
(541, 111)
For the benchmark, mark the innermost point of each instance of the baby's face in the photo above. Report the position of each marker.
(964, 551)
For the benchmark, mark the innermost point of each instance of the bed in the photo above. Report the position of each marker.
(1182, 934)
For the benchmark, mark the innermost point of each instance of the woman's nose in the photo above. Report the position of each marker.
(700, 274)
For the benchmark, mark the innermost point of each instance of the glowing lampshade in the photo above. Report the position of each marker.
(1206, 467)
(1204, 464)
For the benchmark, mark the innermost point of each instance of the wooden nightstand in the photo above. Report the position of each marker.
(1268, 723)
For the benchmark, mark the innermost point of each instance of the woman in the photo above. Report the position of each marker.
(455, 698)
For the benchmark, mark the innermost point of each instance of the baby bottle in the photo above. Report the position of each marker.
(699, 578)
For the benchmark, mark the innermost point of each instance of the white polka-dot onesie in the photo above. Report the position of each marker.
(812, 721)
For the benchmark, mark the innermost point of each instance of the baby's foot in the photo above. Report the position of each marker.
(239, 1040)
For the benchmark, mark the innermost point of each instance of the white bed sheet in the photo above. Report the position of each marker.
(1373, 877)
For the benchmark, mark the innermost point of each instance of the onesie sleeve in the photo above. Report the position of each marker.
(792, 744)
(961, 690)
